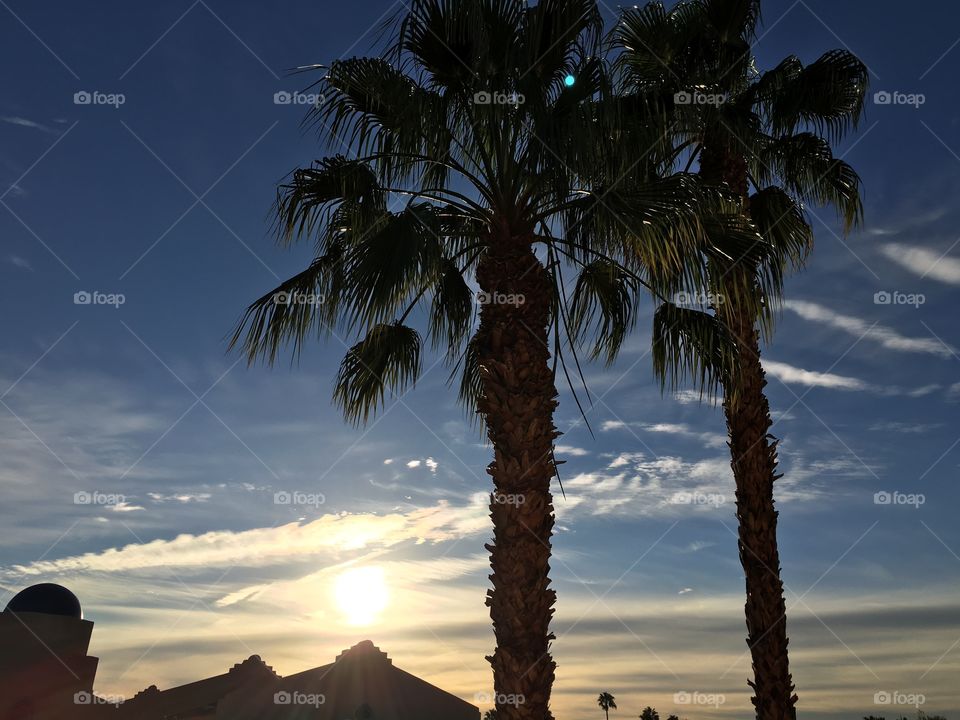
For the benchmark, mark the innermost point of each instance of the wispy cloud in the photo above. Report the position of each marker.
(791, 375)
(924, 262)
(699, 545)
(287, 543)
(798, 376)
(571, 450)
(859, 328)
(20, 262)
(902, 427)
(27, 123)
(711, 440)
(692, 397)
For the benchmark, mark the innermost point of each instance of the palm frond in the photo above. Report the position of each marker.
(461, 45)
(391, 262)
(378, 110)
(827, 96)
(470, 385)
(692, 345)
(303, 305)
(605, 304)
(804, 164)
(647, 39)
(304, 205)
(452, 309)
(734, 19)
(553, 32)
(386, 360)
(782, 223)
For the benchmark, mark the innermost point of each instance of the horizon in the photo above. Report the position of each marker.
(204, 511)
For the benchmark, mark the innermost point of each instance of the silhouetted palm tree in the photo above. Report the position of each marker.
(649, 714)
(606, 702)
(768, 134)
(481, 115)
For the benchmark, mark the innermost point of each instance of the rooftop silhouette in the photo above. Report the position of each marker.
(46, 674)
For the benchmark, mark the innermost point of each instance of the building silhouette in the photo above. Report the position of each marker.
(46, 674)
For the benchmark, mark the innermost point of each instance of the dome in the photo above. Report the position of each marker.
(46, 599)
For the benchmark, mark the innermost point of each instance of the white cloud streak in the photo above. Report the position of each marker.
(859, 328)
(924, 262)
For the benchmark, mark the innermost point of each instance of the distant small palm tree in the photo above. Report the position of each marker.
(606, 701)
(649, 714)
(490, 715)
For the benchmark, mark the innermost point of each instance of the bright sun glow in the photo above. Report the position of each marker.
(362, 594)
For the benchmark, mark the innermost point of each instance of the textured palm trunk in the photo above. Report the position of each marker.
(519, 398)
(754, 462)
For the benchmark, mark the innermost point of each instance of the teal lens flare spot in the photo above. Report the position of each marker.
(569, 80)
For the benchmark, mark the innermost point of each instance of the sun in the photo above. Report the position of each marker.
(362, 594)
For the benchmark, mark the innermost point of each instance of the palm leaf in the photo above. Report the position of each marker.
(827, 96)
(804, 164)
(605, 303)
(303, 305)
(377, 109)
(452, 309)
(305, 204)
(692, 345)
(386, 360)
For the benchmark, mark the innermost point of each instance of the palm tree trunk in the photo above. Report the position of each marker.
(754, 461)
(519, 398)
(753, 454)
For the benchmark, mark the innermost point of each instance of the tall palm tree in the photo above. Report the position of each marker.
(606, 702)
(766, 138)
(478, 118)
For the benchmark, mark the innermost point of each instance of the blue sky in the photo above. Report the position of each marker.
(165, 200)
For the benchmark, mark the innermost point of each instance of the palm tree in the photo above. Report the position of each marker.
(606, 702)
(769, 133)
(480, 116)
